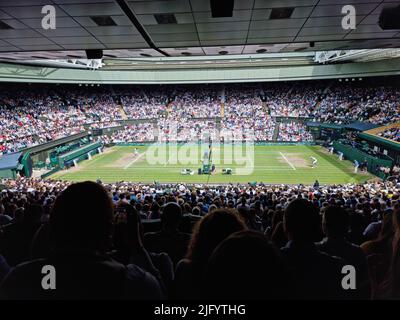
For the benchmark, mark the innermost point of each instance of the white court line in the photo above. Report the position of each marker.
(194, 167)
(273, 169)
(134, 160)
(289, 163)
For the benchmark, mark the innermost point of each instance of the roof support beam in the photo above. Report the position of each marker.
(129, 13)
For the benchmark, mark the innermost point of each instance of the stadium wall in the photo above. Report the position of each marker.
(391, 148)
(208, 74)
(7, 173)
(352, 154)
(257, 143)
(55, 143)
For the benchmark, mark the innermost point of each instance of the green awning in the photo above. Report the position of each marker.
(372, 138)
(324, 125)
(332, 126)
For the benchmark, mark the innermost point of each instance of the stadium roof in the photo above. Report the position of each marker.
(361, 126)
(324, 125)
(149, 28)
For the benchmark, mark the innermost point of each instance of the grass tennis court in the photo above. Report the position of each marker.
(275, 164)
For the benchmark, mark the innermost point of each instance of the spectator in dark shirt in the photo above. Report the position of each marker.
(128, 245)
(169, 240)
(317, 275)
(355, 234)
(278, 237)
(155, 211)
(335, 224)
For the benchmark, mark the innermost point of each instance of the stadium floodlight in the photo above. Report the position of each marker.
(221, 8)
(389, 19)
(94, 54)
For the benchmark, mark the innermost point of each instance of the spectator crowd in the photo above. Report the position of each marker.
(138, 132)
(35, 114)
(135, 241)
(294, 132)
(391, 133)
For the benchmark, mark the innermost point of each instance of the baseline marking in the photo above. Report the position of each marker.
(286, 159)
(134, 160)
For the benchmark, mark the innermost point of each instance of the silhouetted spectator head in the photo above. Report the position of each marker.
(387, 229)
(301, 221)
(188, 208)
(335, 221)
(246, 266)
(82, 218)
(134, 223)
(196, 211)
(278, 237)
(19, 215)
(212, 208)
(138, 207)
(171, 216)
(127, 227)
(33, 214)
(146, 209)
(127, 224)
(231, 204)
(276, 218)
(155, 208)
(210, 231)
(356, 222)
(11, 210)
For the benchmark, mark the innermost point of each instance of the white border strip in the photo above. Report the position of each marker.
(134, 160)
(289, 163)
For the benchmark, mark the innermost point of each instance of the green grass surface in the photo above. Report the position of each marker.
(272, 164)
